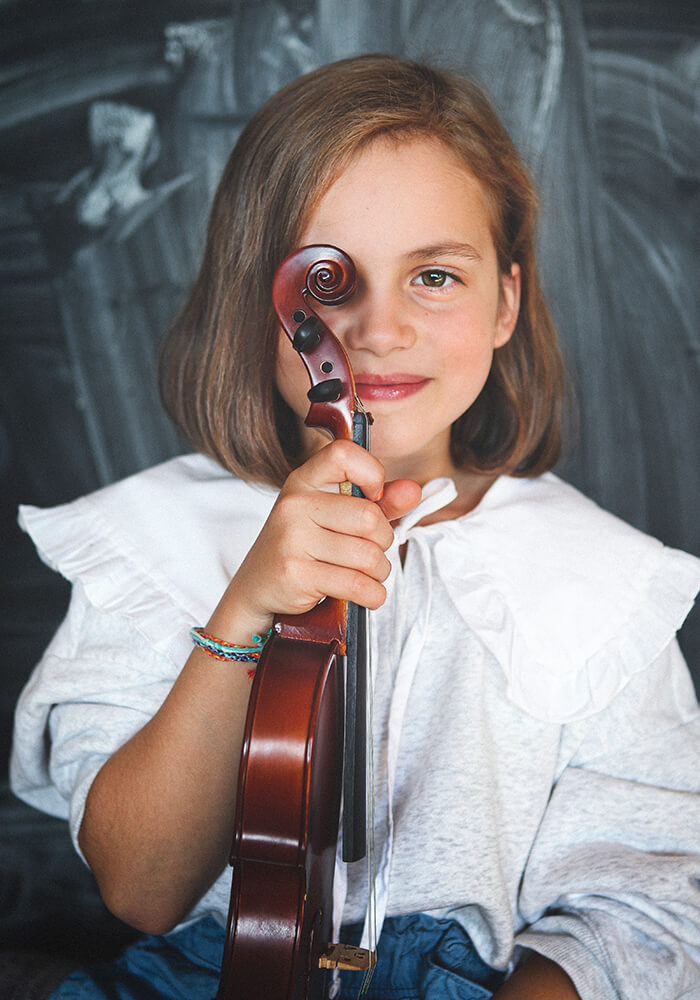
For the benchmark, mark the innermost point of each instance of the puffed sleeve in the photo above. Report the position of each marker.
(97, 684)
(148, 557)
(611, 891)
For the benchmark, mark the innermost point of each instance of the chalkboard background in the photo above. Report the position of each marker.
(116, 119)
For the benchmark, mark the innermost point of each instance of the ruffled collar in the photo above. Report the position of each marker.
(571, 601)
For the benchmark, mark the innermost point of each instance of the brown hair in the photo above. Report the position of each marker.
(220, 351)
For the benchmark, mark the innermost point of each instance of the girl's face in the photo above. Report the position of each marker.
(430, 305)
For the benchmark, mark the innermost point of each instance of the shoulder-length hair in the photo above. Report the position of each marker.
(218, 360)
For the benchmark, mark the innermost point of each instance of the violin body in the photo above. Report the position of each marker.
(283, 870)
(292, 763)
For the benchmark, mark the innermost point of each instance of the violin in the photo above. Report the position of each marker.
(304, 743)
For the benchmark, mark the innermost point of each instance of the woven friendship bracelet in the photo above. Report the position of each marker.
(220, 649)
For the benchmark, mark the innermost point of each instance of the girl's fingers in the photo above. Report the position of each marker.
(400, 496)
(332, 580)
(358, 588)
(311, 550)
(350, 552)
(342, 461)
(320, 543)
(339, 462)
(335, 513)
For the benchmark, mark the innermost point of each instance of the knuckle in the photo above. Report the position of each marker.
(370, 517)
(377, 598)
(287, 569)
(342, 451)
(357, 588)
(383, 568)
(342, 446)
(365, 592)
(290, 483)
(374, 561)
(289, 574)
(286, 506)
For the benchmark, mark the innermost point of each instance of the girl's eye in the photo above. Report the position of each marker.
(435, 278)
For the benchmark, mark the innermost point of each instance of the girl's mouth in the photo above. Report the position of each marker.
(375, 388)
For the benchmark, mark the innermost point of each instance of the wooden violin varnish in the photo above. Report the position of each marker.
(304, 745)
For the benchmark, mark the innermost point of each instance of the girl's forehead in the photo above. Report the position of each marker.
(394, 152)
(403, 182)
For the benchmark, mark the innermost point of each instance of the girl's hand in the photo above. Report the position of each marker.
(317, 543)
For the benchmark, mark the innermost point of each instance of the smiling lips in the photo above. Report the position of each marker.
(374, 388)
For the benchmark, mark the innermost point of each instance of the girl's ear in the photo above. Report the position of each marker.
(508, 306)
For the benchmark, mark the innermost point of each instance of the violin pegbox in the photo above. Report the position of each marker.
(325, 274)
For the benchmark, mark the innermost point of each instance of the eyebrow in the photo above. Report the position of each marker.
(445, 250)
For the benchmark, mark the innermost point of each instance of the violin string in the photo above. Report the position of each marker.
(371, 868)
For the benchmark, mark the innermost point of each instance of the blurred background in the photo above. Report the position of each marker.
(116, 119)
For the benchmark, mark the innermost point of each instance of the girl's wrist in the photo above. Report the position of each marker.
(238, 625)
(220, 649)
(238, 634)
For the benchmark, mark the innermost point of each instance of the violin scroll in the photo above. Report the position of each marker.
(327, 275)
(332, 279)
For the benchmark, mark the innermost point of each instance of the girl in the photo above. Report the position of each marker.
(535, 727)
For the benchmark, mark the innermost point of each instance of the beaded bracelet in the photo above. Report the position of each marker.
(220, 649)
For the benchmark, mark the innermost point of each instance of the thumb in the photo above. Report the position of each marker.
(399, 496)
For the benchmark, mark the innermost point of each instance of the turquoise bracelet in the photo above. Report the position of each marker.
(220, 649)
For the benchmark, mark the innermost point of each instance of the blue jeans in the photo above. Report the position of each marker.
(420, 958)
(180, 966)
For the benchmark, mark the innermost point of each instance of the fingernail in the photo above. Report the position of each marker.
(380, 494)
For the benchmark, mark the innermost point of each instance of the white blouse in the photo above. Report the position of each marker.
(537, 736)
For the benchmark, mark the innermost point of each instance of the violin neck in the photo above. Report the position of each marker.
(355, 754)
(356, 694)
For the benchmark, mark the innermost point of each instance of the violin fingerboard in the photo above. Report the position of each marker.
(356, 666)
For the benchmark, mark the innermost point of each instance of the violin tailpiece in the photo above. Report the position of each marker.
(347, 956)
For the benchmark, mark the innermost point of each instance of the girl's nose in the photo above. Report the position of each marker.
(378, 322)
